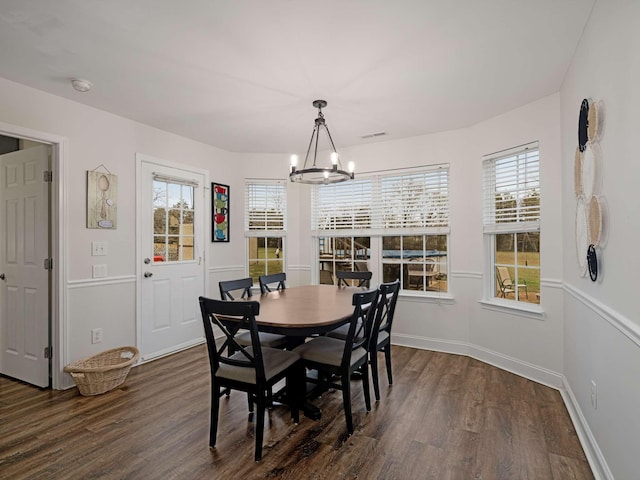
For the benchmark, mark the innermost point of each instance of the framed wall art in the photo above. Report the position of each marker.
(219, 212)
(102, 200)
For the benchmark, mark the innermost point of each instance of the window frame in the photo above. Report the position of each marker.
(167, 234)
(520, 220)
(251, 234)
(379, 227)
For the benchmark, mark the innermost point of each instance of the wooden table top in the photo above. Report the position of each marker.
(305, 310)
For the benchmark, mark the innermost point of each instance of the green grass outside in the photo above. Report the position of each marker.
(258, 267)
(531, 276)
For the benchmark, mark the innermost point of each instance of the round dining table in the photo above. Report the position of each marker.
(306, 310)
(299, 312)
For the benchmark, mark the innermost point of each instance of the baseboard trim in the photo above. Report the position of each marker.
(594, 455)
(424, 343)
(171, 350)
(519, 367)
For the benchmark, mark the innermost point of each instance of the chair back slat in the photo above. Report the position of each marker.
(228, 286)
(363, 278)
(387, 299)
(361, 322)
(277, 278)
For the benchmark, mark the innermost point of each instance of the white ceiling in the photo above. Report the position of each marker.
(241, 74)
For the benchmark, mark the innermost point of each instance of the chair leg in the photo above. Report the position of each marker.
(365, 385)
(387, 359)
(215, 409)
(250, 402)
(346, 400)
(260, 426)
(374, 373)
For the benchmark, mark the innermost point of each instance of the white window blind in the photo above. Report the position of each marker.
(511, 185)
(416, 200)
(265, 206)
(381, 204)
(343, 206)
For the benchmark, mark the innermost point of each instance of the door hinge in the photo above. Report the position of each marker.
(48, 351)
(48, 176)
(48, 263)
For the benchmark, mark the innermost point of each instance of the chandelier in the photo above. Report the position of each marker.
(313, 173)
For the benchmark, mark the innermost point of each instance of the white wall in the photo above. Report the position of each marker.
(95, 137)
(602, 327)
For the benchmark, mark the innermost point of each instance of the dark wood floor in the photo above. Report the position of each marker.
(446, 417)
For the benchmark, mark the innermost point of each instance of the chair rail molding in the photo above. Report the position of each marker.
(552, 283)
(226, 268)
(466, 274)
(616, 319)
(95, 282)
(299, 268)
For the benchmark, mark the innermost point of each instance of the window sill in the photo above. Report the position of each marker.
(515, 308)
(445, 298)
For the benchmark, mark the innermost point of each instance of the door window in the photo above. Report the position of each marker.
(173, 233)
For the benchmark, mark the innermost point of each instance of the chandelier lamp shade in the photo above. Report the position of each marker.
(311, 172)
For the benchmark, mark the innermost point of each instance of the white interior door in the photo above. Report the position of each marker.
(24, 281)
(171, 240)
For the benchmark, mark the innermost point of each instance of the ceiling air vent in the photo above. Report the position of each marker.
(373, 135)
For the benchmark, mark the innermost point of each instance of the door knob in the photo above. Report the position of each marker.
(2, 277)
(148, 274)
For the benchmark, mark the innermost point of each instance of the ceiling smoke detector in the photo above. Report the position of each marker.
(81, 85)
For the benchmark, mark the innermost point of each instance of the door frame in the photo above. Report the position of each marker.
(140, 158)
(59, 230)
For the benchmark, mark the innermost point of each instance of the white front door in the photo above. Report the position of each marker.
(171, 214)
(24, 280)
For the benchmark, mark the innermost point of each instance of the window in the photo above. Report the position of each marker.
(419, 261)
(342, 253)
(265, 226)
(173, 207)
(512, 223)
(396, 225)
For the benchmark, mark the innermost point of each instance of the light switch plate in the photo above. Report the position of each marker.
(96, 335)
(98, 248)
(99, 271)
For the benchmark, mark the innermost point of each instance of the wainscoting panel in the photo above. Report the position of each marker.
(106, 303)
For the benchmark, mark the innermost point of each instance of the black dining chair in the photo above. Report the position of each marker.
(337, 359)
(253, 369)
(275, 278)
(364, 279)
(380, 338)
(244, 286)
(345, 277)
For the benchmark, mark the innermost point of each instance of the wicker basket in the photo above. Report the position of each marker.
(104, 371)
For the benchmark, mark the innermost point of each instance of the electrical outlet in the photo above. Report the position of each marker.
(96, 335)
(99, 271)
(594, 395)
(98, 249)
